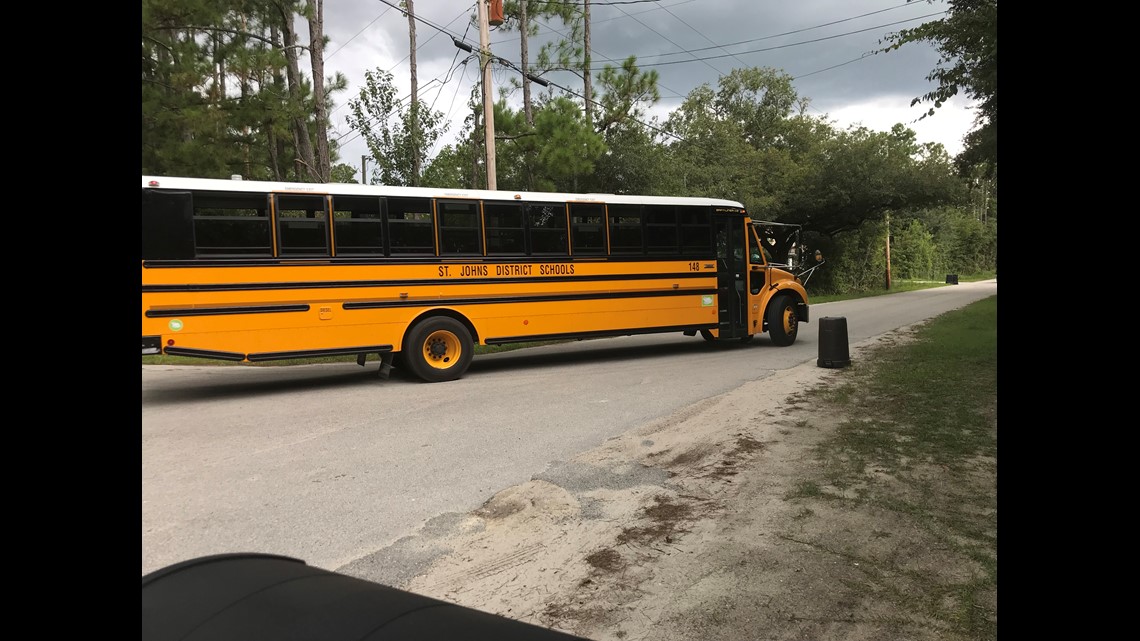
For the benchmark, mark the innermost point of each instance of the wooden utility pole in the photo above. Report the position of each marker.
(317, 62)
(488, 94)
(888, 251)
(414, 106)
(586, 85)
(523, 35)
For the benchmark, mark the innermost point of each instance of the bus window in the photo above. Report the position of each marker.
(588, 226)
(167, 225)
(696, 230)
(231, 224)
(625, 229)
(409, 227)
(302, 224)
(459, 231)
(358, 226)
(661, 229)
(506, 233)
(547, 228)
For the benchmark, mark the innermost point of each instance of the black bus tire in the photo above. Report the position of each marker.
(438, 349)
(783, 323)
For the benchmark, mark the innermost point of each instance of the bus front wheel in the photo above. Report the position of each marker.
(783, 323)
(438, 349)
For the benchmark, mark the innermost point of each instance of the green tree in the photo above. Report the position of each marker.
(624, 94)
(181, 127)
(342, 173)
(633, 163)
(516, 148)
(913, 251)
(388, 129)
(856, 259)
(570, 146)
(732, 141)
(521, 15)
(223, 91)
(966, 40)
(759, 100)
(452, 168)
(708, 155)
(858, 175)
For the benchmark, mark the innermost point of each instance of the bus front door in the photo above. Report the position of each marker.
(731, 276)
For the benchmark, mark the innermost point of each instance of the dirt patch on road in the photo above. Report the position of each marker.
(719, 523)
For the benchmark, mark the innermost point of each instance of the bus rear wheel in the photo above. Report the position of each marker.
(783, 323)
(438, 349)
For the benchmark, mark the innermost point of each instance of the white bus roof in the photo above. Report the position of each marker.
(355, 189)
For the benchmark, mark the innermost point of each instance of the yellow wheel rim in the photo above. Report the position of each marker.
(790, 320)
(442, 349)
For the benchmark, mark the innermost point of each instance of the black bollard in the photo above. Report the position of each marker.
(833, 342)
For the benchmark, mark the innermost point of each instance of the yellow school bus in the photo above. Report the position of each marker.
(256, 271)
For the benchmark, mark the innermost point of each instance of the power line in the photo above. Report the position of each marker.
(670, 41)
(453, 68)
(787, 33)
(642, 63)
(358, 33)
(698, 32)
(446, 77)
(578, 95)
(784, 46)
(418, 47)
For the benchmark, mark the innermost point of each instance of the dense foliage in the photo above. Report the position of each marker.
(966, 40)
(223, 92)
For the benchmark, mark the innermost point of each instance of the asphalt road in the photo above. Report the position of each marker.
(329, 463)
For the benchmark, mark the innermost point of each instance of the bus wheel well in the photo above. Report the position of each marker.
(442, 312)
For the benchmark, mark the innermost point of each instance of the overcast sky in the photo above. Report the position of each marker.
(824, 45)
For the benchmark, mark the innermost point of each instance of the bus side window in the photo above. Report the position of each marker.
(588, 226)
(460, 233)
(358, 225)
(231, 224)
(410, 230)
(546, 228)
(696, 230)
(626, 235)
(661, 229)
(506, 229)
(167, 225)
(302, 225)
